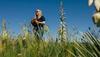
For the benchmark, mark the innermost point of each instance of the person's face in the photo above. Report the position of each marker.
(38, 13)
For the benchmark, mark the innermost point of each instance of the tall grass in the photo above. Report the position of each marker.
(27, 45)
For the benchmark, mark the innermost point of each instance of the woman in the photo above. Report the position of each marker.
(38, 22)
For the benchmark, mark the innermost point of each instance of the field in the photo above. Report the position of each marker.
(27, 45)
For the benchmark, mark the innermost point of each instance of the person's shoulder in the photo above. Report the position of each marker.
(42, 17)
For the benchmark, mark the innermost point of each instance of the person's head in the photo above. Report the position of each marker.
(38, 12)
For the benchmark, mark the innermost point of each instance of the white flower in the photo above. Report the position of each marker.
(96, 4)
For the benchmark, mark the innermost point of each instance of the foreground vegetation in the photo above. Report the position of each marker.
(29, 46)
(26, 44)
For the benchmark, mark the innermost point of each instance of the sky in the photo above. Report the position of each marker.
(19, 12)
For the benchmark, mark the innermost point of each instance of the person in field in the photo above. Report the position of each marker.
(38, 24)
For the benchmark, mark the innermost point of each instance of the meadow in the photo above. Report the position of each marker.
(27, 45)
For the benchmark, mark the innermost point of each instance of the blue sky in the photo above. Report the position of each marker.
(19, 12)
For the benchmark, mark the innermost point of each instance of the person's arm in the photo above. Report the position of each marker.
(33, 22)
(42, 20)
(38, 22)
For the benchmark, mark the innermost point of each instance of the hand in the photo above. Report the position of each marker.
(37, 22)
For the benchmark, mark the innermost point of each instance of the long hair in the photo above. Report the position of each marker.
(38, 10)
